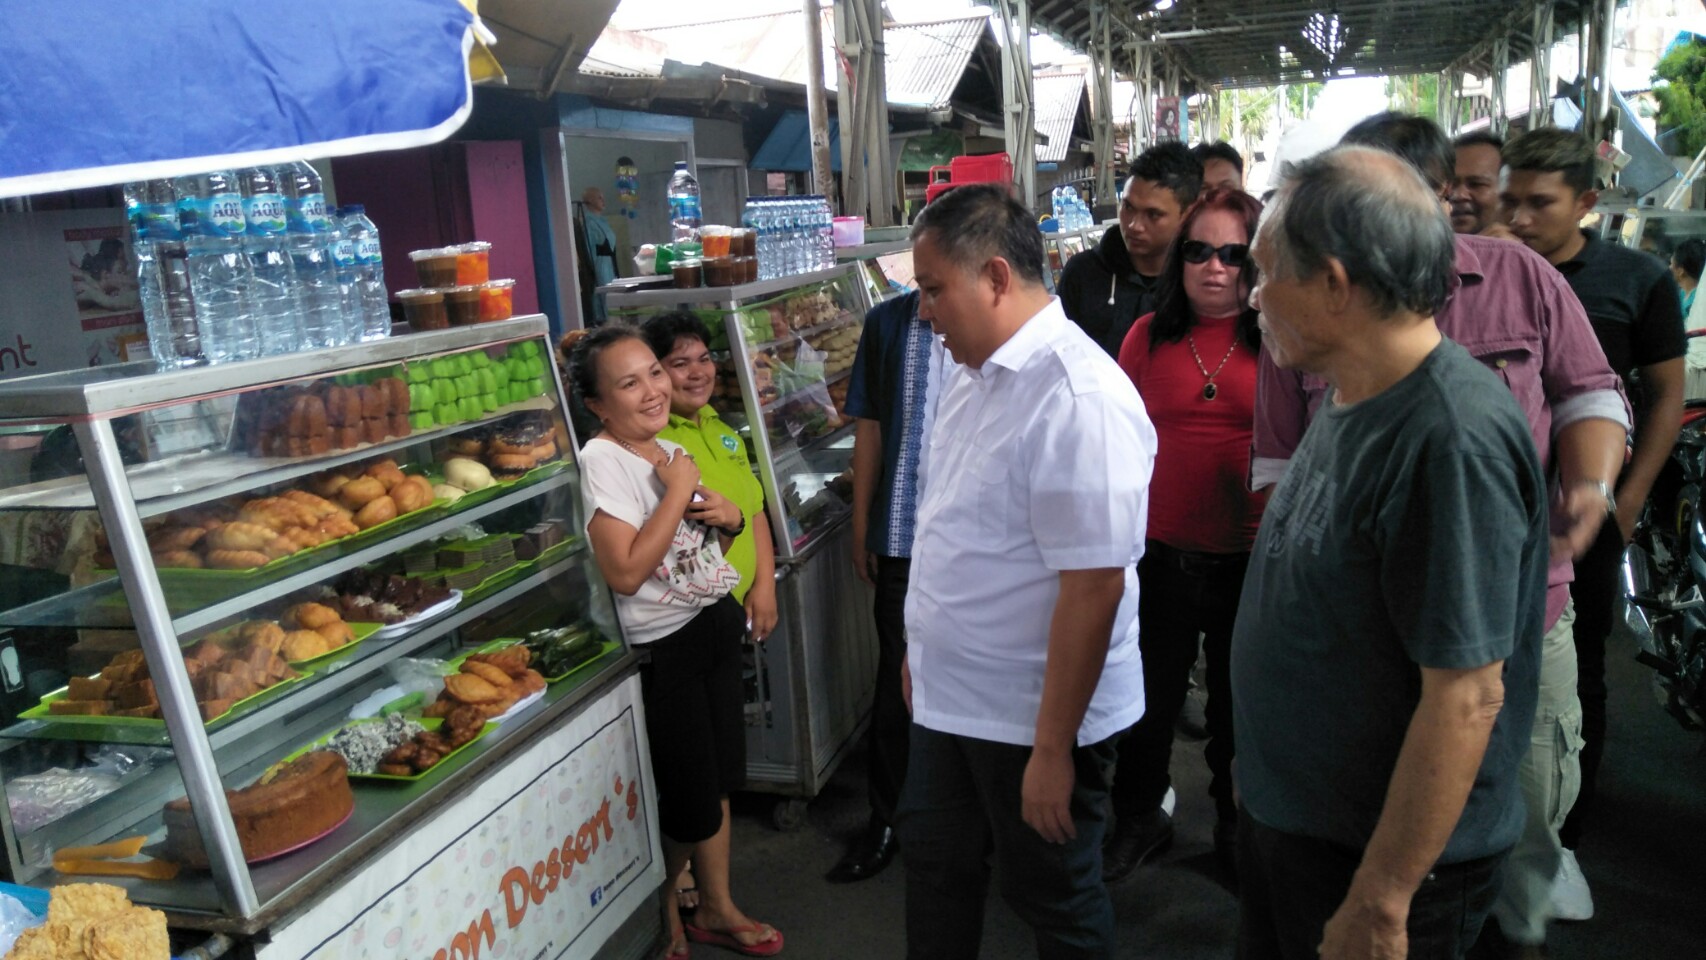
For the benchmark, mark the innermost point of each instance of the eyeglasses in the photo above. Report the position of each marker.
(1231, 254)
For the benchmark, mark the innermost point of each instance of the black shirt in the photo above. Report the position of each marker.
(1633, 304)
(1104, 294)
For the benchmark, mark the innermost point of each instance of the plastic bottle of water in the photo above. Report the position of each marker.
(370, 272)
(684, 214)
(274, 292)
(173, 334)
(210, 211)
(761, 222)
(348, 271)
(825, 234)
(792, 214)
(148, 287)
(1057, 203)
(309, 245)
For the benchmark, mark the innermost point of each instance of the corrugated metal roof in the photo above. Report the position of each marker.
(1055, 98)
(624, 53)
(924, 62)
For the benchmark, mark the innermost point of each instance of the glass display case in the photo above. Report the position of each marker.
(1656, 230)
(205, 573)
(886, 268)
(1060, 247)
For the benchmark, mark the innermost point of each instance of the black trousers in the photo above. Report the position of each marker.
(1596, 591)
(1290, 886)
(962, 803)
(886, 738)
(1181, 595)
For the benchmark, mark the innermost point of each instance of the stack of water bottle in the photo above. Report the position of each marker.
(1070, 212)
(795, 234)
(233, 266)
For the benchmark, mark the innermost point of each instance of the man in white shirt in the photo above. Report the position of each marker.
(1021, 621)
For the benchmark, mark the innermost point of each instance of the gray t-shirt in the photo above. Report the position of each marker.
(1409, 532)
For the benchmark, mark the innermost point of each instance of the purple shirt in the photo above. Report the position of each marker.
(1512, 311)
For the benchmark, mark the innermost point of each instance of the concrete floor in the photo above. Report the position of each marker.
(1645, 859)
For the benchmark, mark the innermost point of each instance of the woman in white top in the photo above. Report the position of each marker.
(658, 536)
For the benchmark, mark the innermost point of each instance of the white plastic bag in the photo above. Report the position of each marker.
(15, 918)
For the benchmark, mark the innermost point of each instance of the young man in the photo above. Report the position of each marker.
(1475, 185)
(1105, 290)
(1635, 310)
(897, 376)
(1384, 662)
(1021, 624)
(1222, 165)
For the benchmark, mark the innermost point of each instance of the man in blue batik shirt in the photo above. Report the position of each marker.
(892, 394)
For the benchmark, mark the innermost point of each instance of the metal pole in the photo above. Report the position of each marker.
(1019, 113)
(817, 104)
(1605, 16)
(1104, 103)
(879, 153)
(849, 105)
(1501, 66)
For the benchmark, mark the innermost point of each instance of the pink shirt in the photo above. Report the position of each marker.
(1512, 311)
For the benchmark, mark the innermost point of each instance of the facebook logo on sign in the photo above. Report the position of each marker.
(597, 895)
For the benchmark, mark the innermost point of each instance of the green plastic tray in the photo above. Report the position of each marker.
(502, 643)
(361, 630)
(477, 497)
(431, 724)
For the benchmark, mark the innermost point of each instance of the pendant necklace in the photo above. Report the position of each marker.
(653, 461)
(1209, 390)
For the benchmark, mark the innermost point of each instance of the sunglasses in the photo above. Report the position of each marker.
(1231, 254)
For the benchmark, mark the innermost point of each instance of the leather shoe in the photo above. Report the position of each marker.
(868, 856)
(1134, 841)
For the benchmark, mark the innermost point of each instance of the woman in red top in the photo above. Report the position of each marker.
(1194, 362)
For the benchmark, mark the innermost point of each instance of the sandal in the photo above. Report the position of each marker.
(728, 941)
(681, 896)
(681, 954)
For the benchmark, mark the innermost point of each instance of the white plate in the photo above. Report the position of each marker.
(520, 705)
(404, 626)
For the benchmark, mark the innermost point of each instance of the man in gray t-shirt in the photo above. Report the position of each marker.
(1385, 659)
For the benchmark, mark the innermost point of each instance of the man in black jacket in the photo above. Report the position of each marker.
(1106, 289)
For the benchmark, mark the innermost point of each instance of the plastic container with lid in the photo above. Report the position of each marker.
(424, 309)
(849, 231)
(497, 300)
(473, 262)
(463, 304)
(688, 273)
(721, 272)
(435, 268)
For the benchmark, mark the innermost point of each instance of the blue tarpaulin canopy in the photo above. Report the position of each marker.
(95, 92)
(789, 145)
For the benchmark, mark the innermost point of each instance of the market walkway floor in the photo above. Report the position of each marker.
(1645, 858)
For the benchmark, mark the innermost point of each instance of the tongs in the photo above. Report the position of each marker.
(113, 860)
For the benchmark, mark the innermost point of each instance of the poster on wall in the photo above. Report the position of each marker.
(1169, 119)
(68, 296)
(540, 861)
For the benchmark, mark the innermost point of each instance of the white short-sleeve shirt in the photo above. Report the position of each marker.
(693, 574)
(1038, 462)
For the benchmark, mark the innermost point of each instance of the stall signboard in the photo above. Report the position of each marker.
(542, 859)
(68, 292)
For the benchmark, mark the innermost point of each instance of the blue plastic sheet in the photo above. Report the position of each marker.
(96, 92)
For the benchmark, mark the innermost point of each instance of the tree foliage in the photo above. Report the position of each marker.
(1681, 90)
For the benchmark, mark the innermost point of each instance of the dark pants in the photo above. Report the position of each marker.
(961, 803)
(1596, 591)
(885, 740)
(1181, 595)
(1290, 886)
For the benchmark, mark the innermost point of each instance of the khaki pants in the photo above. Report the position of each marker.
(1551, 776)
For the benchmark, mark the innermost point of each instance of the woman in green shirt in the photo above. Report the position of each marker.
(681, 341)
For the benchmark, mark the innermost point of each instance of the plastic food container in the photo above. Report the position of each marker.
(720, 272)
(748, 267)
(435, 268)
(463, 305)
(497, 300)
(473, 262)
(424, 309)
(849, 231)
(687, 273)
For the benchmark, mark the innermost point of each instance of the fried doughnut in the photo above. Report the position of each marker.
(510, 447)
(239, 536)
(327, 484)
(309, 616)
(303, 645)
(390, 478)
(410, 496)
(178, 558)
(236, 559)
(509, 465)
(337, 634)
(377, 511)
(175, 538)
(359, 493)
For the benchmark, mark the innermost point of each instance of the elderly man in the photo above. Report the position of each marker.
(1475, 185)
(601, 242)
(1384, 662)
(1021, 621)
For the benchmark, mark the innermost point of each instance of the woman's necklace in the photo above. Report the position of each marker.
(1209, 390)
(653, 460)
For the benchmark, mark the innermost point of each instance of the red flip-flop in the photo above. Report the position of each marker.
(728, 940)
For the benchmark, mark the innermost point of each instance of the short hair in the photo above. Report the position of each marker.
(1416, 140)
(1551, 150)
(1480, 138)
(1174, 317)
(977, 222)
(664, 330)
(1173, 166)
(586, 352)
(1690, 256)
(1382, 225)
(1219, 150)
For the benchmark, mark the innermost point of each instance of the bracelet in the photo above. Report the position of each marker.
(738, 528)
(1604, 490)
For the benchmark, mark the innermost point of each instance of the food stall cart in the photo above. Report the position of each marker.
(786, 354)
(886, 266)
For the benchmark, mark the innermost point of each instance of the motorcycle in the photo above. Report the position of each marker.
(1664, 575)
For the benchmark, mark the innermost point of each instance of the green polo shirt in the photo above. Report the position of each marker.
(721, 457)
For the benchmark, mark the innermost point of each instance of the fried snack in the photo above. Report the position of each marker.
(309, 616)
(53, 940)
(302, 538)
(304, 645)
(511, 660)
(396, 770)
(396, 395)
(509, 465)
(239, 536)
(132, 934)
(410, 495)
(88, 688)
(334, 527)
(372, 402)
(337, 634)
(441, 708)
(360, 492)
(81, 903)
(532, 681)
(343, 406)
(470, 688)
(376, 512)
(485, 671)
(236, 559)
(178, 558)
(327, 484)
(466, 445)
(175, 538)
(319, 506)
(498, 707)
(278, 548)
(80, 708)
(261, 633)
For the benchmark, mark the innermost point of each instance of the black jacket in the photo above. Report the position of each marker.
(1104, 294)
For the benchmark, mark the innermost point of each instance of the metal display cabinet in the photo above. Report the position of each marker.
(785, 357)
(1655, 229)
(1061, 247)
(886, 268)
(154, 444)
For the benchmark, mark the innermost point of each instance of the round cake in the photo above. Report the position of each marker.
(302, 800)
